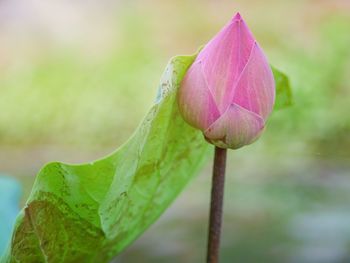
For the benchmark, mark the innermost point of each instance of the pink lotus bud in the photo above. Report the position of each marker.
(229, 90)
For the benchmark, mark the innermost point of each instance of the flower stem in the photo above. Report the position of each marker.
(217, 194)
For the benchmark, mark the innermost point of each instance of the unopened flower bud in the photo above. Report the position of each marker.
(229, 90)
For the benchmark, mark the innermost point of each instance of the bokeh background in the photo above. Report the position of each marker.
(76, 78)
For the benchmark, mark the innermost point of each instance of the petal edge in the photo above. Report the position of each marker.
(235, 128)
(196, 103)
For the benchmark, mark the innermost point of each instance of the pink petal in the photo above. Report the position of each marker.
(195, 100)
(235, 128)
(224, 58)
(255, 89)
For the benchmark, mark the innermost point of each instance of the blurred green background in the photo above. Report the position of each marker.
(76, 78)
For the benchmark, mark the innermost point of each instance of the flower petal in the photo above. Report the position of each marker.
(255, 90)
(235, 128)
(195, 100)
(224, 58)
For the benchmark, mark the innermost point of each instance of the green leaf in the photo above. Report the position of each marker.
(283, 90)
(91, 212)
